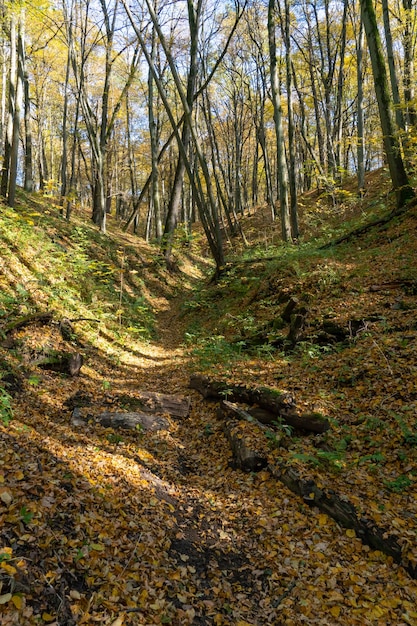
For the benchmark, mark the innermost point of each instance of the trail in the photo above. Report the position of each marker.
(157, 528)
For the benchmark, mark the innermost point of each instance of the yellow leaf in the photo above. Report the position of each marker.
(243, 623)
(335, 611)
(97, 546)
(376, 612)
(17, 601)
(323, 520)
(5, 598)
(9, 569)
(1, 479)
(350, 533)
(311, 495)
(19, 475)
(47, 617)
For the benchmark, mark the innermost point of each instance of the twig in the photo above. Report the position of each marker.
(385, 357)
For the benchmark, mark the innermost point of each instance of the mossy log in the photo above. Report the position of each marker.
(63, 362)
(281, 406)
(20, 322)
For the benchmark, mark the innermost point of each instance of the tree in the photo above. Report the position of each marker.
(279, 134)
(391, 143)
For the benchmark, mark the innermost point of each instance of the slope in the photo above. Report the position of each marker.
(101, 525)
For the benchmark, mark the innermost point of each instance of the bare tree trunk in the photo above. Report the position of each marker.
(276, 103)
(5, 174)
(338, 117)
(360, 121)
(194, 17)
(409, 50)
(28, 136)
(156, 204)
(14, 153)
(292, 177)
(389, 131)
(399, 117)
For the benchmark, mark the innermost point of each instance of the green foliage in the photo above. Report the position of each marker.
(6, 411)
(409, 437)
(399, 484)
(306, 458)
(212, 351)
(273, 437)
(285, 428)
(376, 457)
(25, 515)
(114, 438)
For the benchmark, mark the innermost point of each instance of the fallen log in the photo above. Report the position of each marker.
(62, 362)
(133, 421)
(42, 318)
(245, 457)
(281, 406)
(154, 402)
(344, 513)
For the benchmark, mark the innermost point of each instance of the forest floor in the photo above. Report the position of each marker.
(99, 525)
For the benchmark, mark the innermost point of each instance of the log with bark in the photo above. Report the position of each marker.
(281, 406)
(41, 318)
(344, 513)
(63, 362)
(133, 421)
(245, 457)
(154, 402)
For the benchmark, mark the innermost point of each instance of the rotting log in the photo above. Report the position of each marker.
(269, 399)
(244, 456)
(154, 402)
(289, 309)
(281, 406)
(344, 513)
(41, 318)
(62, 362)
(230, 410)
(133, 421)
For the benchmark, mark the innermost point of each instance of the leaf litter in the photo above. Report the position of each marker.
(157, 528)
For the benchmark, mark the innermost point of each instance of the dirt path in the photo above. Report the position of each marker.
(156, 528)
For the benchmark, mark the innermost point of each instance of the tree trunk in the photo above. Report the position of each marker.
(194, 16)
(14, 153)
(399, 117)
(156, 204)
(359, 110)
(28, 136)
(397, 171)
(291, 135)
(276, 103)
(5, 175)
(408, 44)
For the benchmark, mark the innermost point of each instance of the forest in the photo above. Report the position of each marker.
(208, 338)
(165, 114)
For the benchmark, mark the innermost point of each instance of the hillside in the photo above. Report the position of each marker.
(161, 524)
